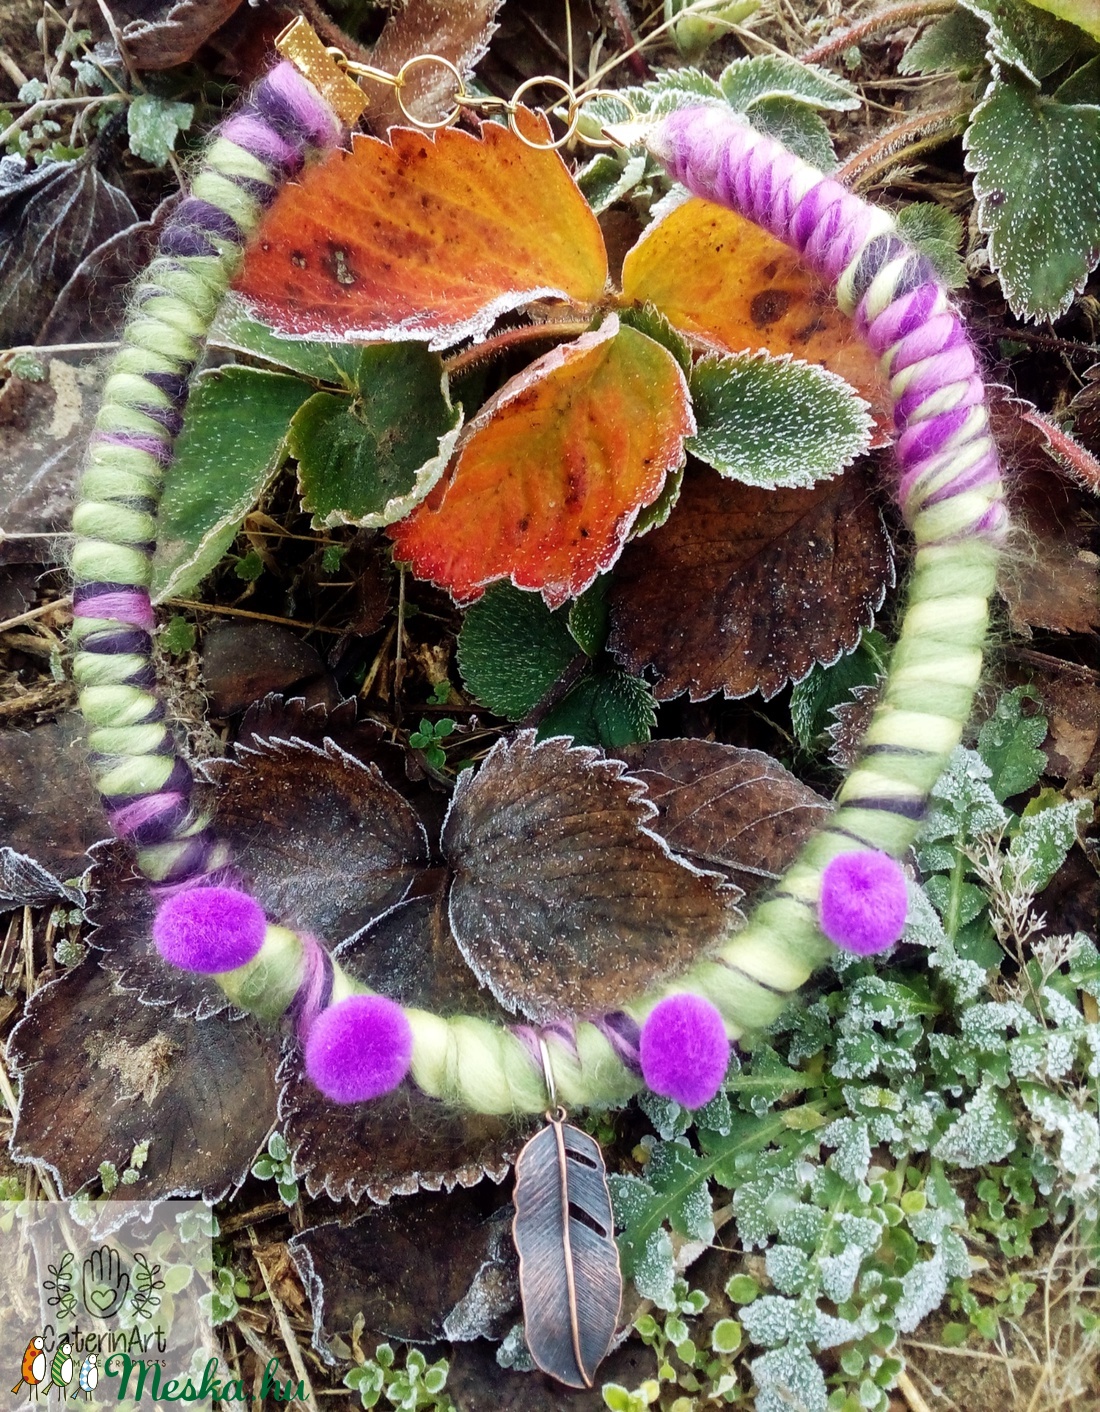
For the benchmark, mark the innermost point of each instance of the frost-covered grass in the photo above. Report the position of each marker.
(913, 1152)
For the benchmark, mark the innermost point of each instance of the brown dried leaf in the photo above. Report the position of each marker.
(92, 305)
(458, 30)
(243, 661)
(744, 590)
(324, 843)
(50, 219)
(1057, 584)
(420, 1270)
(411, 955)
(100, 1073)
(44, 431)
(282, 718)
(159, 35)
(564, 902)
(392, 1146)
(404, 1141)
(735, 810)
(50, 813)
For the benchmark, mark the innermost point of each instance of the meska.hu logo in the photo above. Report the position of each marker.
(122, 1366)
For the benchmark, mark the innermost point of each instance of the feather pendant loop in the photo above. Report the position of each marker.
(564, 1231)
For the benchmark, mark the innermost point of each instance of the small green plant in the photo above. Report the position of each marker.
(429, 737)
(178, 636)
(924, 1108)
(416, 1385)
(250, 567)
(276, 1165)
(228, 1287)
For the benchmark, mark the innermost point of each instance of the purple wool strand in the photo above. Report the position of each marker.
(314, 992)
(131, 606)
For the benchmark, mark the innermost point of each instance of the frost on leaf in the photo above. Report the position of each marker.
(550, 475)
(775, 421)
(789, 1377)
(564, 901)
(1039, 847)
(1077, 1130)
(1036, 165)
(768, 582)
(984, 1132)
(427, 238)
(922, 1290)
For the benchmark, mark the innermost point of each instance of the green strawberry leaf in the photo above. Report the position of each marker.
(747, 81)
(231, 446)
(955, 44)
(334, 363)
(1036, 166)
(813, 698)
(775, 422)
(798, 127)
(1032, 41)
(607, 708)
(371, 458)
(937, 233)
(512, 649)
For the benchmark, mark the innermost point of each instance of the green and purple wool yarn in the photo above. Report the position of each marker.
(145, 786)
(846, 887)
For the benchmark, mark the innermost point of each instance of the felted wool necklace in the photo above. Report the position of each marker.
(846, 888)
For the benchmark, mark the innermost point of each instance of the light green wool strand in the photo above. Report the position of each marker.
(138, 774)
(116, 705)
(117, 523)
(98, 669)
(234, 200)
(128, 740)
(96, 560)
(132, 390)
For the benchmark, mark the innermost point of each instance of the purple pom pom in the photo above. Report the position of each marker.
(863, 902)
(209, 929)
(684, 1050)
(359, 1048)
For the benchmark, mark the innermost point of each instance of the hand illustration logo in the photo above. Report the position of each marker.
(105, 1283)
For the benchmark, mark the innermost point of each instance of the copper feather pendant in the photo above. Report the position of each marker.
(564, 1231)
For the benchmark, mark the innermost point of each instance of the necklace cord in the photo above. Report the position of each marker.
(951, 496)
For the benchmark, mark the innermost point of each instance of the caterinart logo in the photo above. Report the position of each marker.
(124, 1320)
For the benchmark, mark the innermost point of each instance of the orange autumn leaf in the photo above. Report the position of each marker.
(422, 237)
(552, 472)
(716, 275)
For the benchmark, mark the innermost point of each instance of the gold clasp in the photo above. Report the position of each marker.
(334, 74)
(300, 44)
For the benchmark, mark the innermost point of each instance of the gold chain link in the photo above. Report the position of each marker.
(332, 71)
